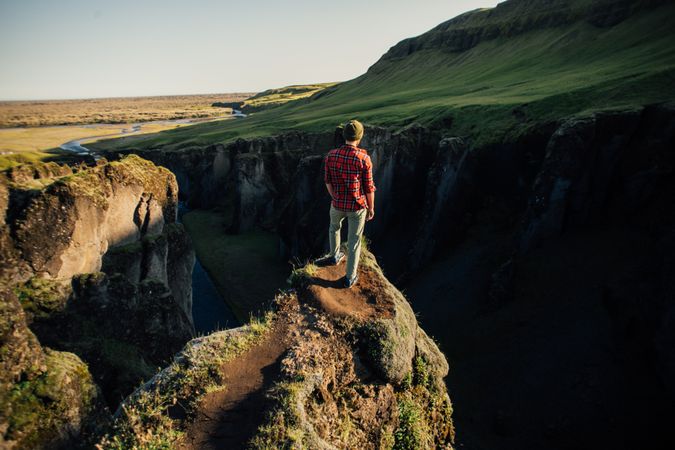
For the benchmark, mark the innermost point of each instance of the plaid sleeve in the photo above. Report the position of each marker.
(367, 176)
(326, 171)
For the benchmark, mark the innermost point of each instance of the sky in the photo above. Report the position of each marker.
(57, 49)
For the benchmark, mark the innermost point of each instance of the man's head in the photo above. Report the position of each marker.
(353, 132)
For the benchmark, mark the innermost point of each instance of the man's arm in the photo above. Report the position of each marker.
(370, 198)
(327, 179)
(369, 187)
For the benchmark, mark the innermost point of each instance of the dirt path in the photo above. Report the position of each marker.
(363, 300)
(227, 419)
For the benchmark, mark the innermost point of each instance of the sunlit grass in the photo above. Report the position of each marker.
(279, 96)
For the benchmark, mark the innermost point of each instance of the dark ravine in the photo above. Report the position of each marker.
(210, 312)
(558, 223)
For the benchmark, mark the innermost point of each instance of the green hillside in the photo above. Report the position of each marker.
(487, 74)
(278, 96)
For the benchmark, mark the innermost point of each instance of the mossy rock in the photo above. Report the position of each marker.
(53, 407)
(42, 297)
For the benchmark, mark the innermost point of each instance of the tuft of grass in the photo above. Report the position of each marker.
(421, 373)
(9, 159)
(301, 276)
(281, 429)
(413, 431)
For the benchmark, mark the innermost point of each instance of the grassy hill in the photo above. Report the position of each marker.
(489, 74)
(276, 97)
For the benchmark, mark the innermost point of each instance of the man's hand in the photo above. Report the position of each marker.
(370, 214)
(330, 190)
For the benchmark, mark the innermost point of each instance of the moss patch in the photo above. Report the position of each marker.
(41, 297)
(424, 411)
(61, 396)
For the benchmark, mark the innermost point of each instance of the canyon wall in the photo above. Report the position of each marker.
(100, 271)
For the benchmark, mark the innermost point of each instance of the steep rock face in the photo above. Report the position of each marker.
(217, 174)
(104, 207)
(101, 269)
(364, 375)
(614, 174)
(605, 165)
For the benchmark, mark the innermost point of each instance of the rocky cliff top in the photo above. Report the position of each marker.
(331, 368)
(62, 222)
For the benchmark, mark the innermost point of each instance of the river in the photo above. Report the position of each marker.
(76, 146)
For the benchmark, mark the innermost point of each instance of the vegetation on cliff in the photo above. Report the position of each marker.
(46, 396)
(151, 416)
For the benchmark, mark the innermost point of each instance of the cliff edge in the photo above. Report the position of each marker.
(327, 368)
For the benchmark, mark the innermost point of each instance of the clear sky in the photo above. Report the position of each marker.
(93, 48)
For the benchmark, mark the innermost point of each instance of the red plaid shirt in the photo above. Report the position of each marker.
(349, 171)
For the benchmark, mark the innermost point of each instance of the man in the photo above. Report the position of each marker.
(348, 174)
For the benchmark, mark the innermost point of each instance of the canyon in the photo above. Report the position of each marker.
(541, 240)
(524, 230)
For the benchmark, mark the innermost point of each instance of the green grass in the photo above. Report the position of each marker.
(276, 97)
(301, 276)
(552, 73)
(245, 267)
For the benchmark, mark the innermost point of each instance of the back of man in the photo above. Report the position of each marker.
(349, 180)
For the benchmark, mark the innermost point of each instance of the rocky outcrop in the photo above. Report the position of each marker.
(101, 270)
(363, 376)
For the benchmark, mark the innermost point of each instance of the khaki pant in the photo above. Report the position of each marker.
(356, 221)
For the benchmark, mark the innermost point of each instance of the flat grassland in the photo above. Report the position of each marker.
(31, 144)
(33, 130)
(113, 110)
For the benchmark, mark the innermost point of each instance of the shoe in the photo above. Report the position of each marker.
(330, 260)
(350, 282)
